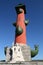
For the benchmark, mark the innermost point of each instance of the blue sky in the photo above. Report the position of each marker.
(34, 9)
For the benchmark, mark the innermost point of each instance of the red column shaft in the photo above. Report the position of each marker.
(21, 39)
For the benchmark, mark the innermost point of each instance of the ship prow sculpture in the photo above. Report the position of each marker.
(20, 51)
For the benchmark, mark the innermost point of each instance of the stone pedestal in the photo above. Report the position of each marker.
(26, 51)
(19, 53)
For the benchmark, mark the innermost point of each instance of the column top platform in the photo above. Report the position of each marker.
(20, 6)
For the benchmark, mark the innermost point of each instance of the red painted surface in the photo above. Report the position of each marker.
(21, 39)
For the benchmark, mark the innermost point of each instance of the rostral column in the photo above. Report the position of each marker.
(20, 33)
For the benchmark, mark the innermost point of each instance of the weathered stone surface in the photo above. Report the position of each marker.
(19, 53)
(26, 51)
(35, 62)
